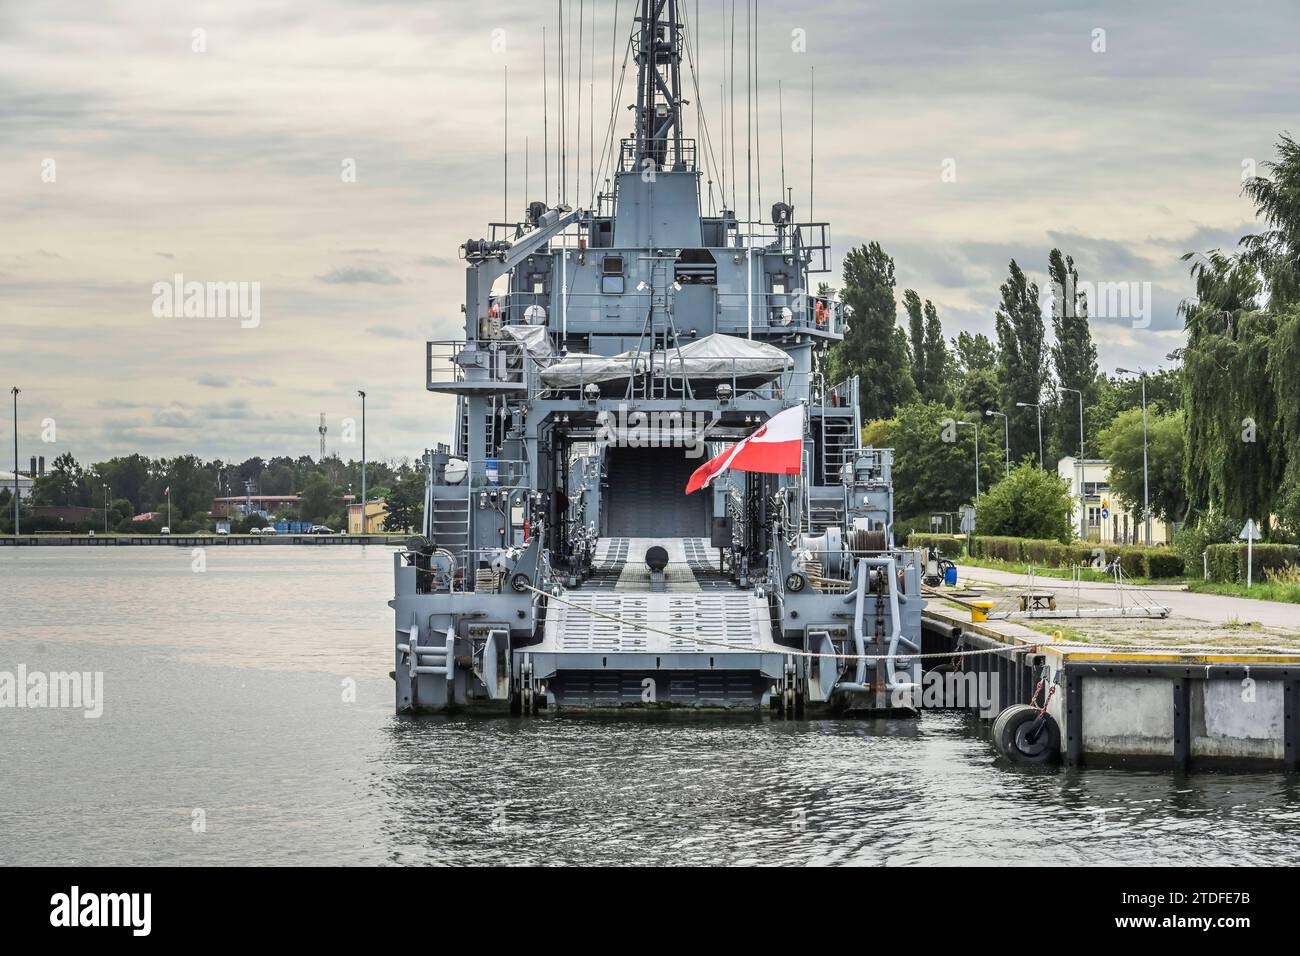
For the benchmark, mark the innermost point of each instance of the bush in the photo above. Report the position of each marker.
(1193, 539)
(1135, 561)
(1045, 552)
(1164, 563)
(997, 548)
(1227, 562)
(949, 546)
(1029, 503)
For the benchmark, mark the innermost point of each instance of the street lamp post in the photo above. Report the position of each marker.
(1083, 508)
(106, 509)
(15, 390)
(975, 425)
(1146, 486)
(1039, 410)
(1006, 435)
(363, 460)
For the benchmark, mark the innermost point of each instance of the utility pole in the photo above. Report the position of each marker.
(15, 390)
(1083, 508)
(1039, 410)
(363, 460)
(1006, 435)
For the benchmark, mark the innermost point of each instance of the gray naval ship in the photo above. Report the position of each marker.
(608, 354)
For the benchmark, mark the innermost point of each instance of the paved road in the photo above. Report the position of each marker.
(1211, 608)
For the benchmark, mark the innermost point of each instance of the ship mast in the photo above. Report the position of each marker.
(659, 103)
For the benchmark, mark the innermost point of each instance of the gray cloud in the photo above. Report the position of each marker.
(230, 160)
(358, 274)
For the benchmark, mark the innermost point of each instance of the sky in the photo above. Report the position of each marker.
(335, 153)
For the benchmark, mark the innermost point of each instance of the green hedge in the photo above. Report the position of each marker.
(1135, 560)
(949, 545)
(1227, 562)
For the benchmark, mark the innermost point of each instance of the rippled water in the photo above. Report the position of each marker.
(224, 693)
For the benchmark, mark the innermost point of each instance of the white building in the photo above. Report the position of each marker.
(1108, 521)
(24, 484)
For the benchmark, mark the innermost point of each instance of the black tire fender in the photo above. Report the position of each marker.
(1011, 730)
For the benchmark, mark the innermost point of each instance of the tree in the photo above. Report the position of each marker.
(61, 485)
(936, 357)
(927, 348)
(874, 346)
(915, 337)
(976, 361)
(318, 499)
(1022, 367)
(1074, 356)
(1236, 458)
(1030, 503)
(405, 503)
(934, 459)
(1121, 445)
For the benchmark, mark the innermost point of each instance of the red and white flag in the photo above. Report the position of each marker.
(775, 448)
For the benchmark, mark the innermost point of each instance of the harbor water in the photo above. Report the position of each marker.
(247, 719)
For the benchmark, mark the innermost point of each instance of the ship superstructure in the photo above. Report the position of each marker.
(609, 352)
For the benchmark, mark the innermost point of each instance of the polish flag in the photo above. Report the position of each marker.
(776, 448)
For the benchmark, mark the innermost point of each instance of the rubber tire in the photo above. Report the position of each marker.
(1016, 720)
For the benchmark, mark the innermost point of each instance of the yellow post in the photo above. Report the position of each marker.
(980, 610)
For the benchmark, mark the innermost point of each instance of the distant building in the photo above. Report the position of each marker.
(71, 514)
(376, 512)
(1108, 521)
(25, 483)
(241, 506)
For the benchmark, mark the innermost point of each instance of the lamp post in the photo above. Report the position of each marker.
(1083, 508)
(1039, 410)
(363, 460)
(105, 509)
(15, 390)
(1146, 486)
(1006, 435)
(975, 425)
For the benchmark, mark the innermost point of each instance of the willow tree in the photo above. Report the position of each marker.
(1235, 455)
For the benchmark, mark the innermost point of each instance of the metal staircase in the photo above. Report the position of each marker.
(449, 522)
(837, 440)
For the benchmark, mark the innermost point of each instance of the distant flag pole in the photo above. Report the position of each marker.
(775, 448)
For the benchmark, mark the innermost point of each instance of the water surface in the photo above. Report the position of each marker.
(257, 693)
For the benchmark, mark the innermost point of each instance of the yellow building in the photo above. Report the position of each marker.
(1109, 522)
(376, 512)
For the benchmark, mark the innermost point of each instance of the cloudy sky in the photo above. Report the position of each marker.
(140, 140)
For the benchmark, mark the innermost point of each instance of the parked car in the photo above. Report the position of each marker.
(254, 530)
(270, 529)
(165, 530)
(223, 531)
(322, 529)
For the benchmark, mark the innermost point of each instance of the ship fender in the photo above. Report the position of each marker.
(1027, 734)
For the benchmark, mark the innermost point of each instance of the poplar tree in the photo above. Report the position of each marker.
(1022, 366)
(874, 346)
(1074, 356)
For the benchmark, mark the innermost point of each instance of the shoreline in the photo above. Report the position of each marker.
(191, 540)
